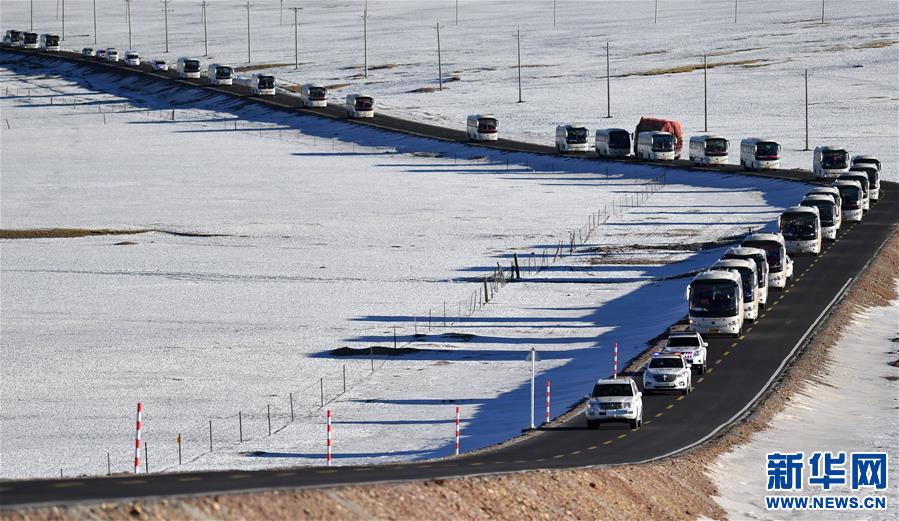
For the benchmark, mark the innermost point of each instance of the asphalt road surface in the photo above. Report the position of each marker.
(740, 370)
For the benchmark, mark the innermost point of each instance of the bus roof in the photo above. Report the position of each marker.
(711, 275)
(765, 236)
(746, 251)
(801, 209)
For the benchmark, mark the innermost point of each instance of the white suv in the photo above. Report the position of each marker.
(691, 345)
(616, 400)
(667, 372)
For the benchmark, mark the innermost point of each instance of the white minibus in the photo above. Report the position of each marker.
(112, 54)
(759, 154)
(829, 162)
(715, 302)
(612, 142)
(748, 281)
(572, 138)
(801, 229)
(656, 146)
(780, 265)
(827, 210)
(360, 106)
(313, 95)
(481, 127)
(188, 67)
(708, 150)
(853, 197)
(219, 74)
(757, 256)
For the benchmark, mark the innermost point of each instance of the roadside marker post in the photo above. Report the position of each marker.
(615, 361)
(457, 430)
(548, 383)
(329, 437)
(533, 357)
(140, 410)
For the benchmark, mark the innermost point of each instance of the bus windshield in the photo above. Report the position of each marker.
(713, 298)
(30, 37)
(486, 125)
(767, 150)
(619, 139)
(748, 280)
(825, 210)
(223, 72)
(835, 159)
(364, 103)
(576, 135)
(604, 390)
(266, 82)
(852, 196)
(799, 226)
(716, 147)
(772, 252)
(663, 143)
(191, 66)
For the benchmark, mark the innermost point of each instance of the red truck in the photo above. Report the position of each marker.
(664, 125)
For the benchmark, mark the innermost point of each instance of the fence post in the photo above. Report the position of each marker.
(322, 388)
(457, 430)
(291, 407)
(329, 437)
(486, 293)
(210, 435)
(240, 424)
(179, 448)
(268, 407)
(108, 465)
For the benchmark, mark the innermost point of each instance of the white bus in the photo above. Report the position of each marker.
(828, 211)
(188, 67)
(758, 257)
(829, 162)
(833, 193)
(313, 95)
(360, 106)
(656, 146)
(862, 180)
(13, 38)
(801, 229)
(759, 154)
(219, 74)
(873, 179)
(612, 142)
(708, 150)
(715, 301)
(132, 58)
(50, 42)
(780, 265)
(572, 138)
(481, 127)
(864, 160)
(852, 196)
(262, 85)
(29, 40)
(749, 283)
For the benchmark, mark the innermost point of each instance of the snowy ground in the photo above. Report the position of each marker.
(323, 235)
(858, 388)
(755, 83)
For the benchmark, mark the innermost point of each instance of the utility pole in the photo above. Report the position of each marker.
(822, 11)
(95, 22)
(63, 20)
(32, 14)
(735, 11)
(457, 12)
(439, 62)
(205, 39)
(705, 92)
(608, 84)
(165, 9)
(249, 56)
(518, 39)
(805, 74)
(365, 41)
(554, 13)
(655, 19)
(281, 12)
(128, 12)
(296, 45)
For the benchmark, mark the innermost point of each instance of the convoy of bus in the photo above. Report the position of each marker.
(188, 68)
(873, 179)
(50, 42)
(758, 257)
(829, 162)
(852, 197)
(715, 303)
(759, 154)
(360, 106)
(780, 265)
(572, 138)
(749, 284)
(30, 40)
(801, 229)
(612, 142)
(708, 150)
(862, 179)
(656, 146)
(481, 127)
(828, 211)
(313, 95)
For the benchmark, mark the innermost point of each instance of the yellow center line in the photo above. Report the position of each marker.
(701, 378)
(331, 471)
(429, 466)
(718, 361)
(540, 459)
(607, 442)
(748, 329)
(622, 436)
(360, 469)
(592, 447)
(679, 398)
(726, 353)
(197, 478)
(709, 370)
(647, 422)
(133, 482)
(788, 289)
(521, 461)
(475, 464)
(734, 344)
(558, 456)
(659, 414)
(741, 337)
(243, 476)
(764, 315)
(575, 453)
(669, 406)
(67, 484)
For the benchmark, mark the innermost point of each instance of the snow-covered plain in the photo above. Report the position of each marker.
(330, 236)
(756, 84)
(858, 388)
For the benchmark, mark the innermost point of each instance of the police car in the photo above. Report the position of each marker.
(615, 400)
(668, 372)
(691, 345)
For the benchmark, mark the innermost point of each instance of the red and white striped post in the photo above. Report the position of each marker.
(548, 382)
(615, 362)
(457, 430)
(140, 410)
(329, 437)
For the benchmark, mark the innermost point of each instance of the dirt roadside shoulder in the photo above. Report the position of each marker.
(673, 489)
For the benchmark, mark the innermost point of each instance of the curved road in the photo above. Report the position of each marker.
(740, 371)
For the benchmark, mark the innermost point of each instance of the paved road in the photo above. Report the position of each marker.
(740, 370)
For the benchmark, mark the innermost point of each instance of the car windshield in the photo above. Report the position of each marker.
(191, 65)
(834, 159)
(619, 139)
(486, 125)
(767, 150)
(604, 390)
(713, 298)
(576, 135)
(799, 226)
(825, 210)
(772, 252)
(364, 103)
(715, 146)
(669, 362)
(683, 341)
(663, 143)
